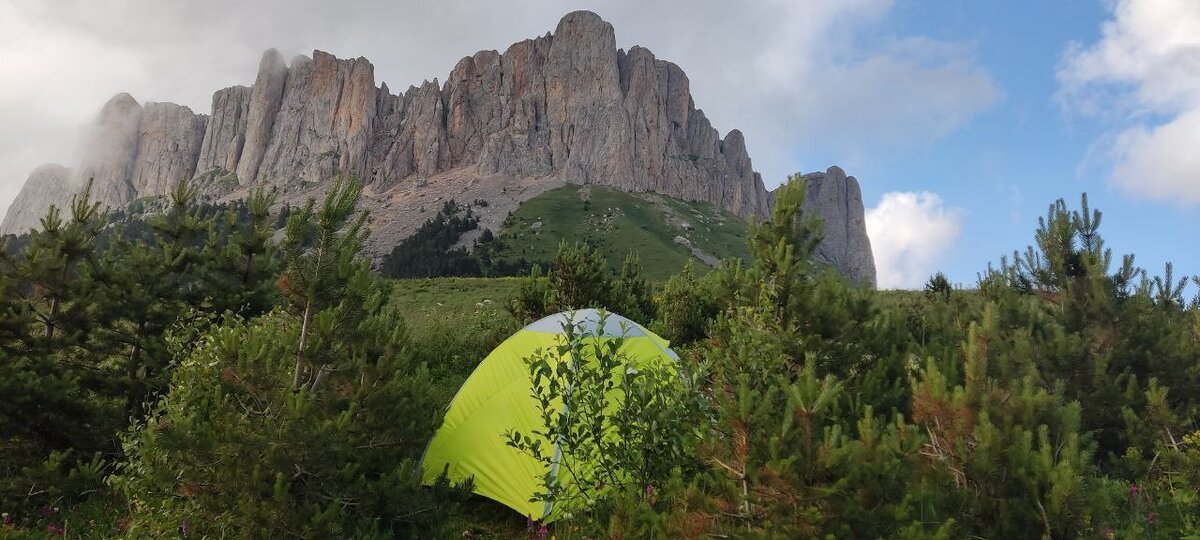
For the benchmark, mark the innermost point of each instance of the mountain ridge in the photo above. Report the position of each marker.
(567, 107)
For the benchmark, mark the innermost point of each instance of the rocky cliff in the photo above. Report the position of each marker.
(565, 107)
(837, 200)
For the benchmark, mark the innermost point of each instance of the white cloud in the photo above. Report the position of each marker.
(1143, 77)
(909, 232)
(819, 75)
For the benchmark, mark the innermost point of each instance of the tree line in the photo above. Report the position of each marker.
(209, 379)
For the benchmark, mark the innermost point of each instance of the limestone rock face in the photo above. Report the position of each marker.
(169, 140)
(567, 106)
(226, 131)
(45, 186)
(265, 98)
(837, 200)
(110, 151)
(324, 123)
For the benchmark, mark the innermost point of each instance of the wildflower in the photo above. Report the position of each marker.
(1151, 518)
(56, 530)
(543, 533)
(184, 529)
(6, 519)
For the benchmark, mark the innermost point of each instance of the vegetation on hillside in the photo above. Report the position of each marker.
(618, 223)
(615, 223)
(205, 380)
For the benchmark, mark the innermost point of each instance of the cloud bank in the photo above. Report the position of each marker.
(909, 233)
(1143, 78)
(816, 75)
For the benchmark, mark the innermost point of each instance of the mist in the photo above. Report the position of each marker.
(803, 84)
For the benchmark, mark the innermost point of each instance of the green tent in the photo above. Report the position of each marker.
(497, 398)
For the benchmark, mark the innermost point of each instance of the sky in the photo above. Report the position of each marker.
(963, 121)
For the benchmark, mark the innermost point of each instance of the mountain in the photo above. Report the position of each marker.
(837, 200)
(665, 232)
(567, 107)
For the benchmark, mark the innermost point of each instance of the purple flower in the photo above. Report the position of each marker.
(184, 529)
(55, 529)
(6, 518)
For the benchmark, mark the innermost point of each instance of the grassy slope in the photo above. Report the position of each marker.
(454, 323)
(620, 222)
(441, 298)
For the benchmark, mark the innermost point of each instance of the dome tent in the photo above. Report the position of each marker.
(497, 397)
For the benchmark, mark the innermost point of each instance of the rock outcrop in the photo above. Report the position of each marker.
(567, 106)
(168, 147)
(109, 152)
(265, 98)
(837, 200)
(46, 186)
(225, 135)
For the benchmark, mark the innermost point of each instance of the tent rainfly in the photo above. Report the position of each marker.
(497, 397)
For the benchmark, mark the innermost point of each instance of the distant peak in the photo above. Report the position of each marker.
(122, 100)
(271, 57)
(582, 16)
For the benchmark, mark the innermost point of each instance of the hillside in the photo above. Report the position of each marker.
(665, 232)
(565, 107)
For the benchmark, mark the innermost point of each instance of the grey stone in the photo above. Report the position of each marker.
(567, 106)
(168, 147)
(110, 152)
(225, 134)
(265, 98)
(45, 186)
(837, 200)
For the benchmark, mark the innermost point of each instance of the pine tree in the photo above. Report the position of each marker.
(581, 278)
(236, 451)
(320, 251)
(685, 307)
(634, 295)
(243, 260)
(53, 265)
(143, 287)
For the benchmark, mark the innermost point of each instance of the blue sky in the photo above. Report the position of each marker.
(1002, 168)
(962, 120)
(1006, 165)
